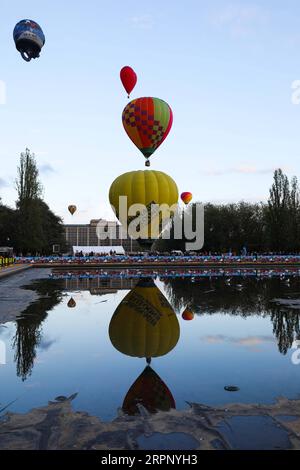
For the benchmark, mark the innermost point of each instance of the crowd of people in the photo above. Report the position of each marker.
(162, 258)
(175, 273)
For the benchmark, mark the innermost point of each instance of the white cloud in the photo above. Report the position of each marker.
(3, 183)
(242, 169)
(240, 20)
(142, 22)
(249, 341)
(46, 169)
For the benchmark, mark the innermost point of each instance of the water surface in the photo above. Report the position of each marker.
(239, 336)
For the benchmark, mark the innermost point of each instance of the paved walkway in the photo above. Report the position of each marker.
(14, 297)
(15, 268)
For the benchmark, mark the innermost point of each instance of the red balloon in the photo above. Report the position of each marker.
(186, 197)
(128, 78)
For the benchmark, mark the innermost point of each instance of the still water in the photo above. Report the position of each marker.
(83, 335)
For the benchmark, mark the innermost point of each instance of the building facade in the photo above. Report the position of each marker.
(99, 232)
(98, 286)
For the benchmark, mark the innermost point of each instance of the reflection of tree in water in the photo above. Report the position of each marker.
(209, 296)
(286, 327)
(29, 327)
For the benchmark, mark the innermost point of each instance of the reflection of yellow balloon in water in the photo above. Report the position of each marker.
(71, 303)
(72, 209)
(144, 324)
(150, 391)
(149, 189)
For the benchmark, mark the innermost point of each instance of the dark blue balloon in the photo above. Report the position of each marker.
(29, 39)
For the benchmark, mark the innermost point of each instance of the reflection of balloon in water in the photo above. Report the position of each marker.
(128, 78)
(147, 122)
(187, 314)
(71, 303)
(29, 39)
(150, 391)
(147, 188)
(144, 324)
(186, 197)
(72, 209)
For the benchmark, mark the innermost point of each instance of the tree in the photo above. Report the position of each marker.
(7, 225)
(27, 182)
(294, 212)
(278, 212)
(29, 233)
(37, 228)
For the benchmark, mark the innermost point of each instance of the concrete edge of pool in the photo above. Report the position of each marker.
(14, 269)
(58, 426)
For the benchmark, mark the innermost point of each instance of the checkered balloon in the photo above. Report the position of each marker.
(147, 122)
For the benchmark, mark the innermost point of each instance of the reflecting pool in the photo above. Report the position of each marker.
(119, 341)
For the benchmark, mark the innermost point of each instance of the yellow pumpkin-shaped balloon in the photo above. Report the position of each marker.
(144, 324)
(149, 189)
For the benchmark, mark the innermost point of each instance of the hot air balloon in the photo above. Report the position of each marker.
(29, 39)
(147, 188)
(71, 303)
(150, 391)
(128, 78)
(186, 197)
(72, 209)
(187, 314)
(147, 122)
(144, 324)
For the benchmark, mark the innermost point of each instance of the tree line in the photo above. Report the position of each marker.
(274, 226)
(31, 227)
(261, 227)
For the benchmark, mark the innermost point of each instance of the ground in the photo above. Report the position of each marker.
(13, 298)
(57, 426)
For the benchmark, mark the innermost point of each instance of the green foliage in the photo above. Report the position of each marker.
(32, 227)
(27, 183)
(261, 227)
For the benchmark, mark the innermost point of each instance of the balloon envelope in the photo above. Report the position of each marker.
(186, 197)
(72, 209)
(148, 188)
(187, 314)
(71, 303)
(150, 391)
(29, 39)
(128, 78)
(147, 122)
(144, 324)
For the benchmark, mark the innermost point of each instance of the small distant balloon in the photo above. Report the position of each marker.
(186, 197)
(128, 79)
(187, 314)
(29, 39)
(72, 209)
(71, 303)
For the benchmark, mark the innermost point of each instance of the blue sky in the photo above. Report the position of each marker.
(226, 69)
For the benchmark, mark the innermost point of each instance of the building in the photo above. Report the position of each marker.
(98, 286)
(99, 232)
(6, 251)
